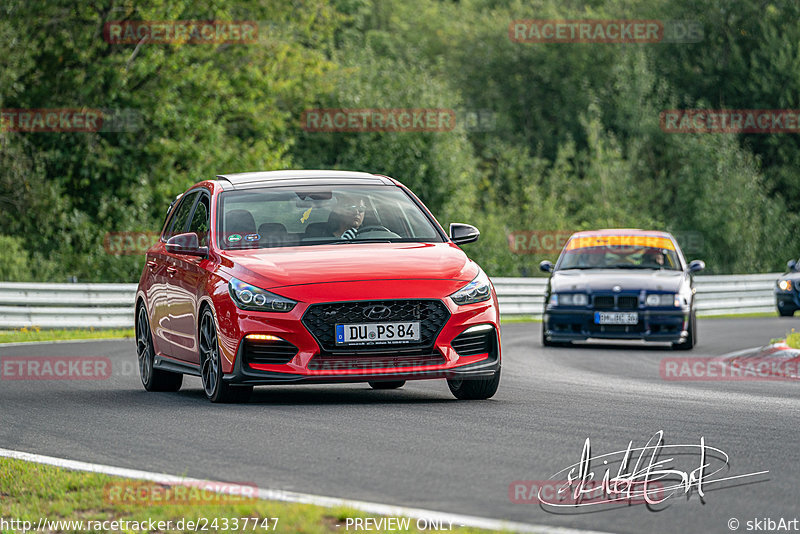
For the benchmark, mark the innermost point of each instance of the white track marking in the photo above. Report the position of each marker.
(301, 498)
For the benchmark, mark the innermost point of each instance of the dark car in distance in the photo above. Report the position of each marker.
(621, 284)
(787, 295)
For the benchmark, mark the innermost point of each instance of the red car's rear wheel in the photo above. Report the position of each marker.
(152, 379)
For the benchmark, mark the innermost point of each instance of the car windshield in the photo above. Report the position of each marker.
(619, 252)
(313, 215)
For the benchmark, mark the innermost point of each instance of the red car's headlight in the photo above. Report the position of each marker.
(250, 297)
(478, 290)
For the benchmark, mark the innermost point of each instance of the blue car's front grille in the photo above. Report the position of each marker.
(604, 302)
(618, 302)
(628, 302)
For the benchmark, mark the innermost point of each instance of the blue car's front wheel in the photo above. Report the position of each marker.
(691, 337)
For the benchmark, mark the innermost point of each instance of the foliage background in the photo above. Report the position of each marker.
(574, 141)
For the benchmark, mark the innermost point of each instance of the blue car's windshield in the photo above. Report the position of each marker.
(624, 252)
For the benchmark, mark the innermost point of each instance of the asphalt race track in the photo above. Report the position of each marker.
(419, 447)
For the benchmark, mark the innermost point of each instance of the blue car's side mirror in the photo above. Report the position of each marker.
(696, 266)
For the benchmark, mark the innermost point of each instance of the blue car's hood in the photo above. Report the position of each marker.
(606, 279)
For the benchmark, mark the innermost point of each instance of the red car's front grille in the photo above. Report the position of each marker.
(321, 321)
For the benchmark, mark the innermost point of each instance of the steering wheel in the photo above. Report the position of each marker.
(374, 228)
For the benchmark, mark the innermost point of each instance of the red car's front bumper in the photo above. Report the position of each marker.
(298, 347)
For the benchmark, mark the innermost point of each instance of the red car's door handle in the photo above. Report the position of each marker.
(171, 271)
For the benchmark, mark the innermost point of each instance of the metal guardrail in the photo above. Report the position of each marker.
(111, 305)
(716, 294)
(66, 305)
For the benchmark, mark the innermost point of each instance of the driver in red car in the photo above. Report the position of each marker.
(347, 217)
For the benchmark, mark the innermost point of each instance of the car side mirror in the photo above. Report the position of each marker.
(463, 233)
(791, 264)
(696, 266)
(188, 244)
(546, 266)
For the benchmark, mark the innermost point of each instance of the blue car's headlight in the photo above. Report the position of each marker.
(663, 299)
(478, 290)
(249, 297)
(569, 299)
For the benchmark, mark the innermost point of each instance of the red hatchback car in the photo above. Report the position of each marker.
(293, 277)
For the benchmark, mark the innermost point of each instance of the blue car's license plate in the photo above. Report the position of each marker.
(616, 317)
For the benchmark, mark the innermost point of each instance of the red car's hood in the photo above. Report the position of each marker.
(280, 267)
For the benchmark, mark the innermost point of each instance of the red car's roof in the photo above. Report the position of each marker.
(301, 177)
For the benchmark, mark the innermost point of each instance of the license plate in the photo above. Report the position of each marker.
(616, 317)
(376, 333)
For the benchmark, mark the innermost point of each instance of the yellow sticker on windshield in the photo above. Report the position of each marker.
(620, 241)
(306, 213)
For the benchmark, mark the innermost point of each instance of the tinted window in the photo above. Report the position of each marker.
(181, 217)
(199, 224)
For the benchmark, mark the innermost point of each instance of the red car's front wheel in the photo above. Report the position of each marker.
(475, 389)
(215, 388)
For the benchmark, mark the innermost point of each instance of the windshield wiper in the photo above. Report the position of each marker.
(345, 241)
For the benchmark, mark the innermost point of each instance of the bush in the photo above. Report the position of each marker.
(14, 261)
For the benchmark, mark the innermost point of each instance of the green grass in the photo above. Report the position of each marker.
(30, 491)
(37, 334)
(793, 339)
(739, 315)
(520, 319)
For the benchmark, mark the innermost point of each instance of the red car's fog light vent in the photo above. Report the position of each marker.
(262, 349)
(474, 341)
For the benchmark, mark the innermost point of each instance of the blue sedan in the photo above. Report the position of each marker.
(621, 284)
(787, 290)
